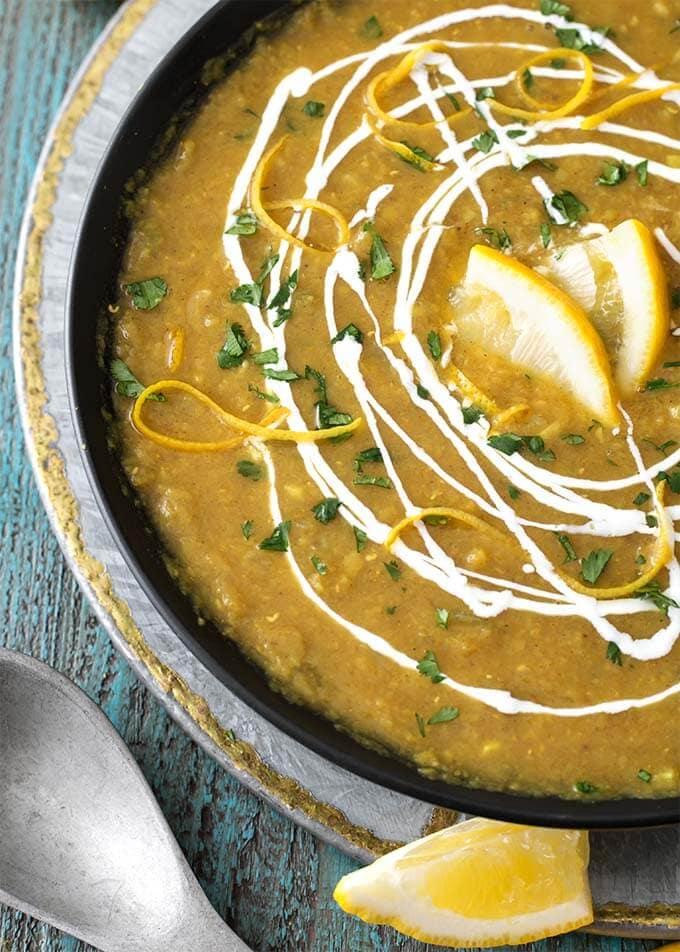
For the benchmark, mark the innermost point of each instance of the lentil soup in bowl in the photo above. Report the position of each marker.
(388, 365)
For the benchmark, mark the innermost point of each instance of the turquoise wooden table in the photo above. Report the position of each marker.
(271, 880)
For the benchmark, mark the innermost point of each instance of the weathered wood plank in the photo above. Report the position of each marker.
(270, 880)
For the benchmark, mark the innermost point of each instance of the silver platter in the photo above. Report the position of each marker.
(635, 876)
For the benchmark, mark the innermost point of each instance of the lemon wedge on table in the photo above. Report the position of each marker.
(619, 281)
(511, 310)
(479, 883)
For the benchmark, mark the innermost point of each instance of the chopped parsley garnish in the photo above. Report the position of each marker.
(651, 521)
(640, 559)
(254, 293)
(644, 776)
(270, 356)
(249, 469)
(435, 519)
(245, 224)
(513, 491)
(614, 653)
(535, 444)
(371, 28)
(278, 540)
(390, 609)
(486, 92)
(434, 342)
(326, 510)
(319, 565)
(652, 593)
(393, 570)
(675, 298)
(568, 206)
(485, 141)
(247, 528)
(422, 392)
(507, 443)
(235, 348)
(147, 294)
(429, 667)
(443, 715)
(672, 480)
(659, 447)
(641, 499)
(381, 263)
(641, 170)
(594, 564)
(313, 109)
(573, 40)
(363, 479)
(574, 439)
(370, 455)
(454, 102)
(360, 538)
(549, 7)
(546, 234)
(327, 415)
(527, 78)
(441, 616)
(584, 786)
(569, 550)
(558, 63)
(421, 724)
(613, 173)
(127, 385)
(497, 239)
(285, 374)
(350, 330)
(419, 158)
(671, 363)
(472, 414)
(660, 383)
(282, 296)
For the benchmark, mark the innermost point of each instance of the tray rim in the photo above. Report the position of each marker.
(40, 431)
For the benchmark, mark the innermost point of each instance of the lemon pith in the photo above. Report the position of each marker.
(547, 332)
(479, 883)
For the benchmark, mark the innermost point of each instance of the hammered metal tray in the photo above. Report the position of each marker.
(635, 875)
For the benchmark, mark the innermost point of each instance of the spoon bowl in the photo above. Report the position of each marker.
(84, 844)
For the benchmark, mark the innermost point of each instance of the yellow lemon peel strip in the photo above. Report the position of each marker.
(663, 552)
(506, 415)
(402, 150)
(458, 515)
(542, 110)
(386, 81)
(626, 80)
(473, 393)
(175, 349)
(628, 102)
(261, 212)
(244, 427)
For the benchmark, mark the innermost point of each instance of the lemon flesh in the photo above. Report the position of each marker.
(619, 281)
(513, 311)
(479, 883)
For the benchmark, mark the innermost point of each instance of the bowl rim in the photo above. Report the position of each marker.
(308, 728)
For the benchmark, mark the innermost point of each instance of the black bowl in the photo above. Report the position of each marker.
(169, 95)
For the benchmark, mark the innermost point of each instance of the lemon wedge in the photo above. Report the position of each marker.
(479, 883)
(619, 281)
(513, 311)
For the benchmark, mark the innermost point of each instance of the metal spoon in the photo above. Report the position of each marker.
(83, 843)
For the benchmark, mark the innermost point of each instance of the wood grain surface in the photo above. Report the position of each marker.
(270, 880)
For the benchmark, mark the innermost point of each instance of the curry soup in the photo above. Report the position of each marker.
(404, 296)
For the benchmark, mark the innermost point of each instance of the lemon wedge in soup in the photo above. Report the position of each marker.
(479, 883)
(513, 311)
(619, 281)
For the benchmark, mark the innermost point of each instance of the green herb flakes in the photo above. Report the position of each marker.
(234, 349)
(569, 551)
(513, 491)
(486, 92)
(613, 173)
(371, 28)
(434, 343)
(574, 439)
(642, 172)
(550, 7)
(254, 293)
(443, 715)
(360, 538)
(370, 455)
(546, 234)
(284, 374)
(485, 141)
(364, 479)
(527, 78)
(147, 294)
(278, 540)
(429, 667)
(247, 528)
(127, 385)
(319, 565)
(652, 593)
(420, 158)
(500, 240)
(270, 356)
(326, 510)
(381, 263)
(421, 725)
(393, 570)
(472, 414)
(584, 786)
(594, 564)
(249, 469)
(614, 653)
(507, 443)
(441, 616)
(314, 109)
(644, 776)
(245, 224)
(350, 330)
(568, 206)
(641, 499)
(660, 383)
(282, 296)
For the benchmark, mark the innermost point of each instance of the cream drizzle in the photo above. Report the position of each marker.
(444, 411)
